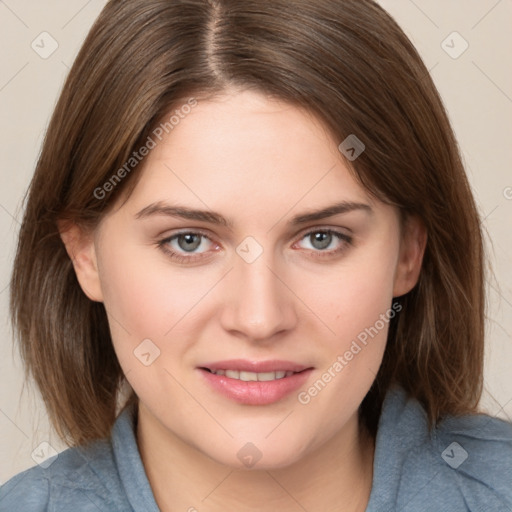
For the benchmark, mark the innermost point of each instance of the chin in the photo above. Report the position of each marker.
(254, 456)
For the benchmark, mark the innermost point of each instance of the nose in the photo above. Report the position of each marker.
(259, 305)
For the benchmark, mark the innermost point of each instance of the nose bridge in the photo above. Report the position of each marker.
(259, 305)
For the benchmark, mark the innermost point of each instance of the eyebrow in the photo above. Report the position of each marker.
(161, 208)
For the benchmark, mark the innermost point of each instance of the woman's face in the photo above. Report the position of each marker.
(218, 262)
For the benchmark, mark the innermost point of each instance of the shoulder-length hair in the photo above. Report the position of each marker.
(348, 63)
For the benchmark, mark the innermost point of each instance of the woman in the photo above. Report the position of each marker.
(252, 217)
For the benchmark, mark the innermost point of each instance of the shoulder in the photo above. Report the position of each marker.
(476, 453)
(464, 463)
(81, 478)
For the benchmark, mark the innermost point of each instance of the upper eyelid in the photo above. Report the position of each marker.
(314, 229)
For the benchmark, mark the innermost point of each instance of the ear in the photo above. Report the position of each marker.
(412, 249)
(80, 247)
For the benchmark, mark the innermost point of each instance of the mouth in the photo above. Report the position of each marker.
(252, 376)
(255, 382)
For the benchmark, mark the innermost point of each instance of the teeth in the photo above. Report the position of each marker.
(253, 376)
(247, 376)
(266, 376)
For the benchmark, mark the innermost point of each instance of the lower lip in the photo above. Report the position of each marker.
(256, 392)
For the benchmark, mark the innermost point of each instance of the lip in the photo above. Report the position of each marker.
(255, 392)
(255, 366)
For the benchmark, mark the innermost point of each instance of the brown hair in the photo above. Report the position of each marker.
(349, 64)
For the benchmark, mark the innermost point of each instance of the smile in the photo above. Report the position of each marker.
(238, 381)
(253, 376)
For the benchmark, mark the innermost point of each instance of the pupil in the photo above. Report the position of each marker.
(189, 240)
(324, 240)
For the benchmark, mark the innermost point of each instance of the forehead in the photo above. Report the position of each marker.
(246, 153)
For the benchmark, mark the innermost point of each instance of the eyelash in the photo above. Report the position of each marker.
(163, 244)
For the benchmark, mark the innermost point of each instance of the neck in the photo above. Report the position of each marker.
(337, 476)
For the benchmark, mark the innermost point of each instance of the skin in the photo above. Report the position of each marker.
(258, 162)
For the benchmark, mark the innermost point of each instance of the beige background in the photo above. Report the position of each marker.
(476, 88)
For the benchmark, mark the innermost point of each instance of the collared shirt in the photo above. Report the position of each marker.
(464, 464)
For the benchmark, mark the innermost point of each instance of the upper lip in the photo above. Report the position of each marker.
(255, 366)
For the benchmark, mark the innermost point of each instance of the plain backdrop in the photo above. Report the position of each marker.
(471, 68)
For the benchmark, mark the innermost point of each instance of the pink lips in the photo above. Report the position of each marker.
(255, 366)
(255, 392)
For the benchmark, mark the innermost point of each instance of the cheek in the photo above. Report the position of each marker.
(149, 308)
(359, 292)
(144, 294)
(358, 310)
(155, 315)
(143, 302)
(356, 306)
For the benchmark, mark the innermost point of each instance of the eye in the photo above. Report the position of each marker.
(321, 239)
(183, 246)
(189, 242)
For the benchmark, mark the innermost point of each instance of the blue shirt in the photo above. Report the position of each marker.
(464, 464)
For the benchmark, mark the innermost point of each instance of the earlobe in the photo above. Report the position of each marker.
(82, 252)
(412, 249)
